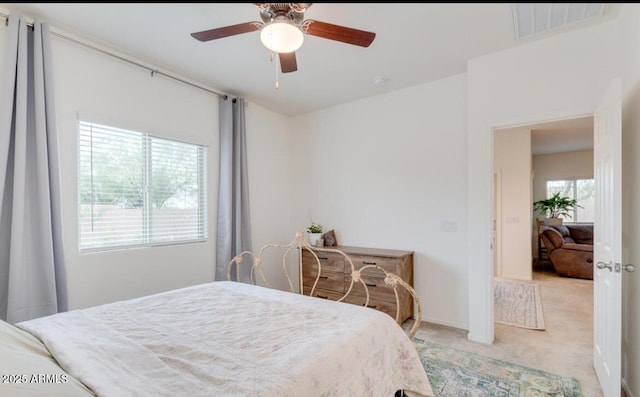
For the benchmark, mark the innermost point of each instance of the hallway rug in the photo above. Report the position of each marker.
(518, 303)
(456, 373)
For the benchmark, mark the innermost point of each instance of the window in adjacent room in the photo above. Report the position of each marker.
(138, 189)
(582, 190)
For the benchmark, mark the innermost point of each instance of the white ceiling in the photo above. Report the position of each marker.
(416, 43)
(562, 136)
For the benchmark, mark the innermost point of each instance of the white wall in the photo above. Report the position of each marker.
(390, 172)
(111, 91)
(556, 166)
(277, 211)
(4, 33)
(558, 77)
(630, 61)
(104, 89)
(512, 163)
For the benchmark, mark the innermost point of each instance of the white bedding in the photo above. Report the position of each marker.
(233, 339)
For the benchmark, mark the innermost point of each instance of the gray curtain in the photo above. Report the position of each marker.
(32, 279)
(234, 226)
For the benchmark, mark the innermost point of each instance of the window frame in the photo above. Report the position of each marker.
(574, 182)
(147, 164)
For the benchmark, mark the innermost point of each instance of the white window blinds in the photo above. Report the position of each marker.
(581, 190)
(138, 189)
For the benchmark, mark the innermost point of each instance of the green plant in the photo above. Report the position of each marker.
(314, 228)
(556, 206)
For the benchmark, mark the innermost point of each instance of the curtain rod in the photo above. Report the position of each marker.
(130, 61)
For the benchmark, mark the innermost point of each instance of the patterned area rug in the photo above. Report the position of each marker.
(518, 303)
(455, 373)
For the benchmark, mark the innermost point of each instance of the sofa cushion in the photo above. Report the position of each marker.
(578, 247)
(582, 234)
(566, 235)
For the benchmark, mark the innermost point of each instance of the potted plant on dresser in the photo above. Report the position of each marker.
(554, 207)
(315, 232)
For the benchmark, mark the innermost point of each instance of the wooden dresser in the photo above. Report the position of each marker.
(336, 277)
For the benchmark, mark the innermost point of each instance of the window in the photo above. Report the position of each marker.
(582, 190)
(138, 189)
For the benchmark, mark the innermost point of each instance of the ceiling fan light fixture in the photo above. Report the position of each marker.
(281, 37)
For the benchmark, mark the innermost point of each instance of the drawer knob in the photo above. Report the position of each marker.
(368, 263)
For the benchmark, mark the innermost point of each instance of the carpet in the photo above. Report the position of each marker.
(456, 373)
(518, 303)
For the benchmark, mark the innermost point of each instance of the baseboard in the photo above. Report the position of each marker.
(474, 338)
(625, 387)
(471, 337)
(445, 323)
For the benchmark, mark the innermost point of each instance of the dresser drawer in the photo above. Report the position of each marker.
(332, 281)
(329, 261)
(383, 306)
(402, 267)
(389, 264)
(378, 289)
(323, 293)
(406, 307)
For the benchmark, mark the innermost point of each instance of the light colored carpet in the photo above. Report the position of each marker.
(518, 303)
(564, 348)
(456, 373)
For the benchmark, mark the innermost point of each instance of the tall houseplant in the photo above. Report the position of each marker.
(554, 207)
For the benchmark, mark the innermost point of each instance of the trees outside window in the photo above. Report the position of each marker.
(136, 189)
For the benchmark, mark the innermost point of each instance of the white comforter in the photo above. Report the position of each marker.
(233, 339)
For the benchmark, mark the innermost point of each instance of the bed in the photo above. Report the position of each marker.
(223, 338)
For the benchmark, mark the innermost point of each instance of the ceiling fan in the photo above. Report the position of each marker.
(283, 28)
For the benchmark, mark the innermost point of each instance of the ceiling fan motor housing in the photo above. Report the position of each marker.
(291, 11)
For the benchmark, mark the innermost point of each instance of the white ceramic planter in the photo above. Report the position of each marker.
(313, 238)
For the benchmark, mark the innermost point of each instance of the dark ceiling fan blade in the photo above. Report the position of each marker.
(338, 33)
(227, 31)
(288, 62)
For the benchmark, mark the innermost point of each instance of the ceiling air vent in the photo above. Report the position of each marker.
(531, 19)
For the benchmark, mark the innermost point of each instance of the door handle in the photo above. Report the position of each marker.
(629, 268)
(601, 265)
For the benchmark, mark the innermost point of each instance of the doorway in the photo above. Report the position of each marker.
(531, 155)
(526, 158)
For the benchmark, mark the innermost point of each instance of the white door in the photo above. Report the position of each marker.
(607, 311)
